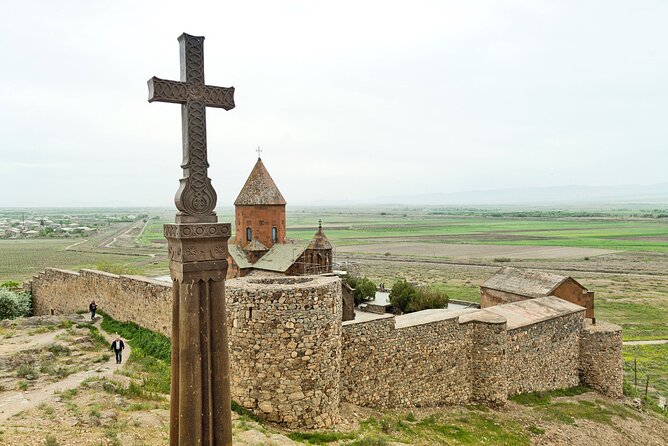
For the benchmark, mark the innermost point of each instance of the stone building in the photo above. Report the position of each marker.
(513, 285)
(261, 243)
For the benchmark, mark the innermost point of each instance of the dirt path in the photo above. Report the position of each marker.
(652, 342)
(14, 402)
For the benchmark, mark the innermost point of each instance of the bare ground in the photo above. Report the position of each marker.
(459, 251)
(93, 412)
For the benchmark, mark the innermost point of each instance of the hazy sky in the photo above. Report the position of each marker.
(347, 98)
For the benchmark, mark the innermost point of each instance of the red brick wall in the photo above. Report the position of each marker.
(260, 219)
(575, 293)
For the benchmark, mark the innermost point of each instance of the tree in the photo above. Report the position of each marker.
(365, 289)
(402, 293)
(406, 298)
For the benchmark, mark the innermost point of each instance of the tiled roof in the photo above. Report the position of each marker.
(319, 240)
(259, 189)
(530, 283)
(255, 246)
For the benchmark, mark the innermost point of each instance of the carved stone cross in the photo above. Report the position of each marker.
(200, 413)
(195, 198)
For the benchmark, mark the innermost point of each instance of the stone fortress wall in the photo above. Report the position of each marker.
(285, 347)
(293, 360)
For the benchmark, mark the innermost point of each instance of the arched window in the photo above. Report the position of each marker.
(249, 234)
(274, 234)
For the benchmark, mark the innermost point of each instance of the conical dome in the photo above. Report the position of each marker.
(259, 189)
(319, 240)
(255, 246)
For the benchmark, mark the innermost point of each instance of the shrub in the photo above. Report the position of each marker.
(11, 284)
(426, 298)
(13, 304)
(406, 298)
(365, 289)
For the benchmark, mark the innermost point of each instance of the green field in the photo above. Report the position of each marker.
(630, 278)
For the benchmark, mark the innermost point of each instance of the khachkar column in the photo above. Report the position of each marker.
(200, 393)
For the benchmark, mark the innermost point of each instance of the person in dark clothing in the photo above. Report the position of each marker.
(92, 308)
(117, 346)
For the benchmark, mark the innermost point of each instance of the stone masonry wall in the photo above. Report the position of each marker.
(126, 298)
(292, 360)
(487, 357)
(421, 365)
(285, 348)
(601, 365)
(544, 355)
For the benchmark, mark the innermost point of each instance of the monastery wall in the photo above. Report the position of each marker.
(141, 300)
(293, 361)
(285, 348)
(423, 356)
(544, 355)
(601, 365)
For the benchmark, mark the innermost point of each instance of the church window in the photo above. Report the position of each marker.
(249, 234)
(274, 234)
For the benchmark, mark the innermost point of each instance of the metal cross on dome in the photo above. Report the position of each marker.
(195, 197)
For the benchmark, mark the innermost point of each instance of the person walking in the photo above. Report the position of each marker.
(92, 308)
(117, 346)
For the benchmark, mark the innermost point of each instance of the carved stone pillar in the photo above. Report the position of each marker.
(200, 405)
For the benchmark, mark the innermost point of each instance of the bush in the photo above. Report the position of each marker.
(406, 298)
(426, 298)
(11, 284)
(365, 289)
(13, 304)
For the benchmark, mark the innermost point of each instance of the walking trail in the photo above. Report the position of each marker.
(14, 402)
(653, 342)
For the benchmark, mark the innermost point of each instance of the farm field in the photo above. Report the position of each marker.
(620, 256)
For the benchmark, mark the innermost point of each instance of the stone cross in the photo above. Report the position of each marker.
(259, 151)
(195, 196)
(200, 411)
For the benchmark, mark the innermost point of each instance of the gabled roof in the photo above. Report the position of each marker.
(239, 257)
(525, 282)
(319, 240)
(259, 189)
(280, 257)
(255, 246)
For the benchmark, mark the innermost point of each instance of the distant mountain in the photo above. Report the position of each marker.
(632, 194)
(655, 193)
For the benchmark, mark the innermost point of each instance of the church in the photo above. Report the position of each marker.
(261, 245)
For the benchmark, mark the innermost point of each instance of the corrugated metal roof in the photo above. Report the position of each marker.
(525, 282)
(239, 257)
(259, 189)
(280, 257)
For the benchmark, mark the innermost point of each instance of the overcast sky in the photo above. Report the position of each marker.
(348, 99)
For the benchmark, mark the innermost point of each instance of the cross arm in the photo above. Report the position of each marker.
(162, 90)
(220, 97)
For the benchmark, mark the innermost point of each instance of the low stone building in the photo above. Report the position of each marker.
(510, 285)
